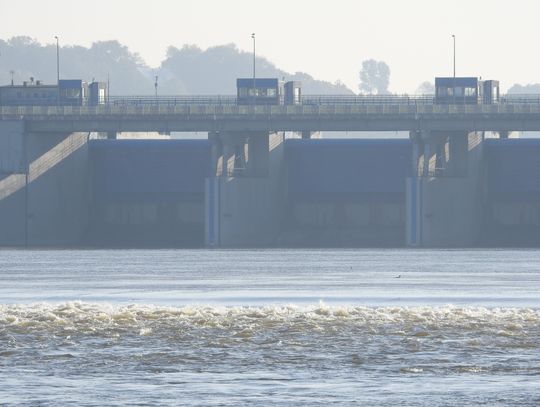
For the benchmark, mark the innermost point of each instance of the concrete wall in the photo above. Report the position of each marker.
(12, 184)
(58, 189)
(43, 187)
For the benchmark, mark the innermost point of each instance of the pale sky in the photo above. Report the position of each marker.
(496, 39)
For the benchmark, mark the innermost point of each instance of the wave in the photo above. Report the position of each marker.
(148, 319)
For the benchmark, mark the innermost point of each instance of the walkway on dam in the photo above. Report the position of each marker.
(316, 113)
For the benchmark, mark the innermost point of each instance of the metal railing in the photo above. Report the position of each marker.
(171, 100)
(311, 100)
(368, 100)
(520, 100)
(307, 100)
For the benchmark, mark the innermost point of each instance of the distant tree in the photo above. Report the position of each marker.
(214, 70)
(425, 88)
(374, 77)
(531, 88)
(103, 60)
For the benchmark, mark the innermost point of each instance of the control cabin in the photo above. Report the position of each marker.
(73, 92)
(68, 92)
(267, 91)
(466, 90)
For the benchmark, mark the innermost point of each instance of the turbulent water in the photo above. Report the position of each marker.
(372, 328)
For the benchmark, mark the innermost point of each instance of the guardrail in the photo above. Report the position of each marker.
(520, 100)
(368, 100)
(215, 100)
(317, 100)
(308, 100)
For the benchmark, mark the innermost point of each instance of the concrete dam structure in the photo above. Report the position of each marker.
(246, 189)
(66, 181)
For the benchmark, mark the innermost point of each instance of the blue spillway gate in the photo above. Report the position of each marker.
(354, 170)
(513, 170)
(149, 170)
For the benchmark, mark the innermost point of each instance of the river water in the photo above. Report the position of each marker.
(270, 327)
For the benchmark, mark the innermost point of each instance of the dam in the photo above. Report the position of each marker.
(261, 180)
(317, 193)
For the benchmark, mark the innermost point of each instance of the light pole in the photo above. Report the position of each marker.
(253, 91)
(57, 60)
(454, 38)
(454, 80)
(58, 67)
(156, 85)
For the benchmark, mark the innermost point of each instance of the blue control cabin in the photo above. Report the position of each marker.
(466, 91)
(68, 92)
(267, 91)
(73, 92)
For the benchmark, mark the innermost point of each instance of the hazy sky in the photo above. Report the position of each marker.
(327, 39)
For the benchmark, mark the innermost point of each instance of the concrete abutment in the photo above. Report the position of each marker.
(43, 187)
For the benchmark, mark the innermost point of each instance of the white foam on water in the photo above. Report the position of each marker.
(420, 321)
(235, 346)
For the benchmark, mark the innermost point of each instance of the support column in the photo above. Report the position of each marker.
(243, 202)
(444, 196)
(216, 154)
(228, 159)
(258, 155)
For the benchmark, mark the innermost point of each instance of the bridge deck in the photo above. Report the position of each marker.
(507, 117)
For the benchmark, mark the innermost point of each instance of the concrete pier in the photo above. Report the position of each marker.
(244, 200)
(444, 197)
